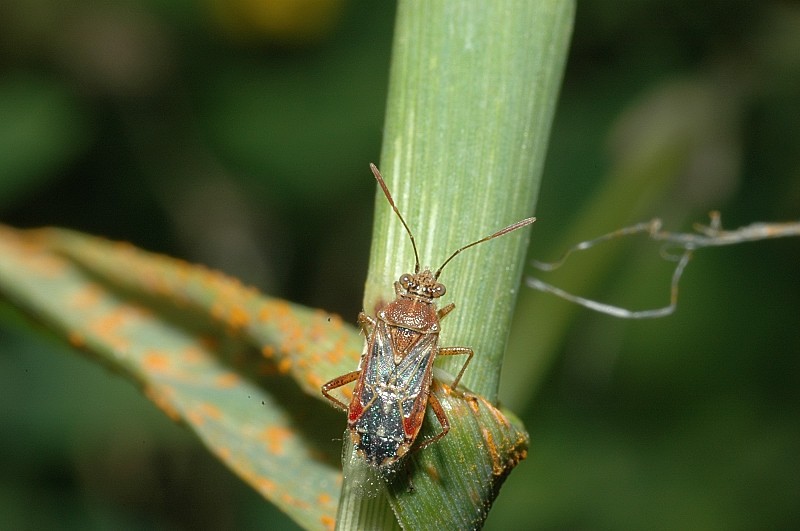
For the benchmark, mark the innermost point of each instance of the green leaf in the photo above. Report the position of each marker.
(233, 365)
(457, 478)
(240, 369)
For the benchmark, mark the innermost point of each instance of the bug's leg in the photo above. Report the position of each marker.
(337, 382)
(456, 351)
(366, 323)
(447, 309)
(441, 416)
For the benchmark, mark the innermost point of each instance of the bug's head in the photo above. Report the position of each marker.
(423, 285)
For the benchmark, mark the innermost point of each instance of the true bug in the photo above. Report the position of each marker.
(393, 378)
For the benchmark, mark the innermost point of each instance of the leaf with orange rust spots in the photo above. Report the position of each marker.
(450, 484)
(240, 369)
(244, 372)
(456, 480)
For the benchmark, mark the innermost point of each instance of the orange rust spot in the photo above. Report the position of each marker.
(194, 417)
(192, 355)
(341, 351)
(265, 312)
(228, 380)
(275, 437)
(314, 380)
(268, 351)
(224, 453)
(282, 309)
(497, 465)
(289, 326)
(266, 486)
(317, 332)
(488, 439)
(328, 522)
(86, 297)
(284, 365)
(518, 452)
(119, 344)
(472, 400)
(290, 500)
(497, 414)
(433, 473)
(156, 362)
(210, 411)
(239, 318)
(32, 246)
(76, 339)
(107, 327)
(335, 354)
(161, 400)
(324, 499)
(323, 323)
(521, 455)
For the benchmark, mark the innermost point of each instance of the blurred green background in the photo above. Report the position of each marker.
(237, 134)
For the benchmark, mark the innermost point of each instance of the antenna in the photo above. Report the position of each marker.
(510, 228)
(379, 178)
(518, 225)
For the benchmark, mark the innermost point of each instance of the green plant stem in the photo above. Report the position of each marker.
(472, 93)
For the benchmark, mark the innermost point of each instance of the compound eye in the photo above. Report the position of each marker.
(405, 280)
(438, 290)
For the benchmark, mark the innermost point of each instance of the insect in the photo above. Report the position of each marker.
(393, 378)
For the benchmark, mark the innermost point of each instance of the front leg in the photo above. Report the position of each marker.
(366, 323)
(447, 309)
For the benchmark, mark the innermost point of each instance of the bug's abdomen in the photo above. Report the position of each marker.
(392, 394)
(379, 433)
